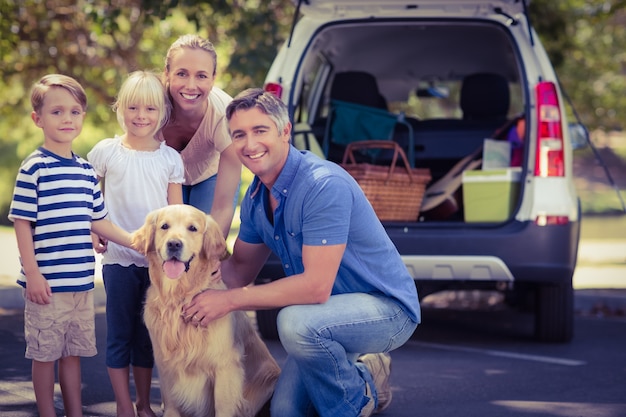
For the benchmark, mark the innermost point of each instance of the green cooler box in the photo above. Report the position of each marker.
(490, 195)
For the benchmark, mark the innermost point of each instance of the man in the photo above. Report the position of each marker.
(346, 290)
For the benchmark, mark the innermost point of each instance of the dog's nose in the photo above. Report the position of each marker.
(174, 246)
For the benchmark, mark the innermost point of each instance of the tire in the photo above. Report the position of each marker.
(554, 313)
(266, 322)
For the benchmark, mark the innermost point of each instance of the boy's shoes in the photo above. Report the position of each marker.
(379, 365)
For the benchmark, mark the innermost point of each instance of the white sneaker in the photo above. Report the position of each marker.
(379, 365)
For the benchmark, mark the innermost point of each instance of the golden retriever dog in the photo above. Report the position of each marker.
(221, 370)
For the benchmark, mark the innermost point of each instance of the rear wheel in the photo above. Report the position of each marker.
(554, 313)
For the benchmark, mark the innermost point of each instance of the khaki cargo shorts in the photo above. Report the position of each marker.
(65, 327)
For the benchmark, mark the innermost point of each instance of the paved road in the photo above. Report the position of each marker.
(458, 363)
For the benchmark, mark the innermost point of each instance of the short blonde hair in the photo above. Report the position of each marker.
(143, 88)
(41, 88)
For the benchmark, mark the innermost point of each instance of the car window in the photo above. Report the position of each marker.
(442, 101)
(431, 101)
(311, 103)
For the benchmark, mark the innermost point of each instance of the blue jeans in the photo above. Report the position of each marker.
(201, 194)
(323, 341)
(128, 340)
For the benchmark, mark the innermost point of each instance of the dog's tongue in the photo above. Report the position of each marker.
(173, 268)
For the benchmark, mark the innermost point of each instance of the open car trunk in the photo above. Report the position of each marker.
(449, 94)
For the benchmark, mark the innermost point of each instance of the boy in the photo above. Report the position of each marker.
(56, 204)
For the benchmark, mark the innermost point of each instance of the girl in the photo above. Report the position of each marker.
(140, 174)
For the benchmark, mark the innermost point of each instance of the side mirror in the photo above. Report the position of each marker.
(579, 136)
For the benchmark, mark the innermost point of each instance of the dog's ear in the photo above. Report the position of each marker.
(143, 238)
(213, 243)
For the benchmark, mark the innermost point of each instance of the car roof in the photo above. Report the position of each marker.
(380, 8)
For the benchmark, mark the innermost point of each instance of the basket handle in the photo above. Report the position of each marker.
(348, 155)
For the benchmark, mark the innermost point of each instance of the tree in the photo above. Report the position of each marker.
(586, 41)
(99, 42)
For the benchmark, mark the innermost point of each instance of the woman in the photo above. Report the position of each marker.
(198, 129)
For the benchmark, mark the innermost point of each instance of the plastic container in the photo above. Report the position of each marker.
(490, 195)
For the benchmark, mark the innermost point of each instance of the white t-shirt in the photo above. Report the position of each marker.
(135, 183)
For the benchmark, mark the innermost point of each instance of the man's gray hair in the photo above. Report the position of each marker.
(265, 101)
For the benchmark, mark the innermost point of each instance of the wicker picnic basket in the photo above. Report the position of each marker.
(395, 192)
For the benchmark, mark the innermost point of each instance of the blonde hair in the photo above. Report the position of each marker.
(190, 42)
(41, 88)
(143, 88)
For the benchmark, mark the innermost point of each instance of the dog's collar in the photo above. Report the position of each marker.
(189, 262)
(213, 274)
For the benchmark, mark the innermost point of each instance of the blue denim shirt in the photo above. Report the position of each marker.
(319, 203)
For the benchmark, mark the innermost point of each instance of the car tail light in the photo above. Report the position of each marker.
(543, 220)
(275, 89)
(549, 161)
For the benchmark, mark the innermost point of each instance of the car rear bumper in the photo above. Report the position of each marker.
(514, 252)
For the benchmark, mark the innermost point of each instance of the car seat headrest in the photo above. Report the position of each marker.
(485, 96)
(357, 87)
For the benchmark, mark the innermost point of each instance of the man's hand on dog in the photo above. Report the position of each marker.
(206, 306)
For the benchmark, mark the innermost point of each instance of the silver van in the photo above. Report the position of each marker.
(466, 89)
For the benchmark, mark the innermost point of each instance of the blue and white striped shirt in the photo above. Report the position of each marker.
(61, 197)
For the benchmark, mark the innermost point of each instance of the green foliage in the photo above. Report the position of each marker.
(586, 41)
(602, 201)
(99, 42)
